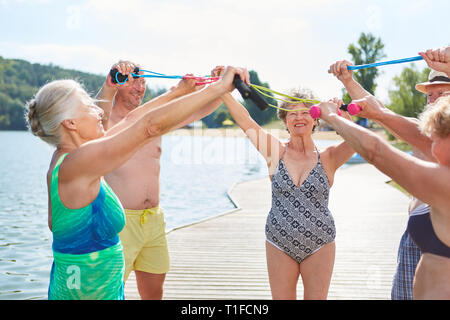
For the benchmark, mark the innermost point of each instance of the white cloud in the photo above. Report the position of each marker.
(178, 37)
(417, 5)
(33, 1)
(83, 58)
(286, 42)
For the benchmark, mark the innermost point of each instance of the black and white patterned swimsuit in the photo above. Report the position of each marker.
(299, 222)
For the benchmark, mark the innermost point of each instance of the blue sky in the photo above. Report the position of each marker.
(289, 43)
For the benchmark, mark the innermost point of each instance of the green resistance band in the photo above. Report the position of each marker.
(261, 90)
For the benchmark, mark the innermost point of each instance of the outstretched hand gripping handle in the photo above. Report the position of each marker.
(351, 108)
(248, 92)
(243, 89)
(117, 77)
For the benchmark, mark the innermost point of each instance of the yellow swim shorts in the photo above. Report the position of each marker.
(144, 241)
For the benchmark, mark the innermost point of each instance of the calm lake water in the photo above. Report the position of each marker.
(196, 173)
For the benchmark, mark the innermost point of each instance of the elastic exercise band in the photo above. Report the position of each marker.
(211, 79)
(371, 65)
(260, 89)
(202, 80)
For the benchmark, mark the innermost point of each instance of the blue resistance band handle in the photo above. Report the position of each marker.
(248, 92)
(372, 65)
(117, 77)
(121, 79)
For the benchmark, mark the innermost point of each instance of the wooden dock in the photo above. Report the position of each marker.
(224, 257)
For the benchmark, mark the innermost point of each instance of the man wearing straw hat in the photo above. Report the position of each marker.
(409, 254)
(438, 85)
(136, 183)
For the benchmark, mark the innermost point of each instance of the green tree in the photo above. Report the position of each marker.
(261, 117)
(20, 80)
(404, 98)
(221, 115)
(151, 93)
(369, 49)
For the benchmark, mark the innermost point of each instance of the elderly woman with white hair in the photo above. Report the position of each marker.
(85, 215)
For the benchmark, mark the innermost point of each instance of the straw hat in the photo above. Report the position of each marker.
(435, 77)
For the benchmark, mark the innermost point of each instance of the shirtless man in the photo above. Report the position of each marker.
(136, 183)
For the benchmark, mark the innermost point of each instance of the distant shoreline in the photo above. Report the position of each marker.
(237, 132)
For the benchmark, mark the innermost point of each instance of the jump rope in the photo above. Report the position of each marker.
(255, 92)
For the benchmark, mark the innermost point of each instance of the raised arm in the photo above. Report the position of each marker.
(134, 115)
(105, 97)
(340, 71)
(107, 92)
(208, 108)
(340, 153)
(98, 157)
(268, 145)
(405, 128)
(184, 87)
(425, 180)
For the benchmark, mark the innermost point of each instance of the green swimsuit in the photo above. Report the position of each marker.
(88, 255)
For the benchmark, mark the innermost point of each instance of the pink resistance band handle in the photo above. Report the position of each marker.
(315, 112)
(352, 109)
(202, 80)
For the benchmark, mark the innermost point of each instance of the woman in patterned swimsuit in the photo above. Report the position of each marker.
(300, 229)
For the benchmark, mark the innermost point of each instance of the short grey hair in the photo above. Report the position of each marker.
(55, 102)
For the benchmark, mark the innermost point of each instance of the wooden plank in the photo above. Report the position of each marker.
(224, 257)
